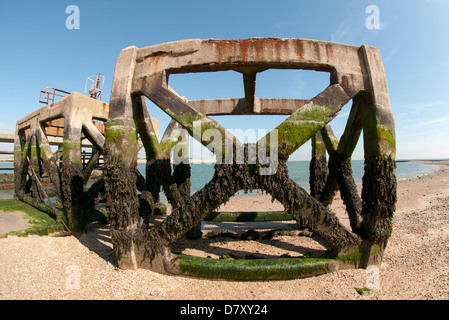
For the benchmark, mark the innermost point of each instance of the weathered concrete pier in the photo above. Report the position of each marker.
(70, 123)
(120, 129)
(355, 73)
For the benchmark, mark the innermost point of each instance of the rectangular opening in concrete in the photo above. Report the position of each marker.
(291, 84)
(208, 85)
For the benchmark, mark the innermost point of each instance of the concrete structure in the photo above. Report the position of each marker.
(53, 141)
(74, 124)
(355, 73)
(68, 123)
(7, 137)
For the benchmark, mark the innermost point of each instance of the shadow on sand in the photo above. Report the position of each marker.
(98, 240)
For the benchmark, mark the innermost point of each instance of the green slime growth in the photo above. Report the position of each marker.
(252, 269)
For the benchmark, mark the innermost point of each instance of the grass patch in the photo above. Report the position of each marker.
(40, 222)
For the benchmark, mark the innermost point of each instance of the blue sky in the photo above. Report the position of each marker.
(39, 51)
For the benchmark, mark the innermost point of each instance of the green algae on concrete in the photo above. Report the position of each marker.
(124, 138)
(360, 256)
(379, 139)
(186, 118)
(311, 112)
(71, 150)
(252, 269)
(300, 127)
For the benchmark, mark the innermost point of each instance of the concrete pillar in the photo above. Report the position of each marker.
(318, 166)
(21, 146)
(340, 170)
(49, 164)
(379, 181)
(72, 172)
(120, 156)
(35, 169)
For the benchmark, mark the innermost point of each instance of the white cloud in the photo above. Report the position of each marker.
(429, 104)
(342, 115)
(390, 55)
(417, 108)
(428, 132)
(427, 147)
(422, 131)
(342, 31)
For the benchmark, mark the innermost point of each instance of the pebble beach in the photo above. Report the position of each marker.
(415, 264)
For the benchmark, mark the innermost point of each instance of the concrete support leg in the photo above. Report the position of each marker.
(379, 181)
(120, 183)
(50, 166)
(72, 173)
(120, 156)
(36, 170)
(21, 163)
(309, 212)
(340, 170)
(91, 164)
(318, 166)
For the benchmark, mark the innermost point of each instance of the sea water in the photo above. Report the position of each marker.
(201, 173)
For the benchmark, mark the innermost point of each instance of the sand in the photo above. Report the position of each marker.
(415, 264)
(12, 221)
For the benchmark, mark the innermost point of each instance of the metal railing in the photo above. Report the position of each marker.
(50, 94)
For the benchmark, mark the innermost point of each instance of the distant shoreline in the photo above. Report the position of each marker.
(142, 160)
(436, 161)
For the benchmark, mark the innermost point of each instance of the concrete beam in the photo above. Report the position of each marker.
(92, 108)
(265, 106)
(54, 141)
(254, 55)
(7, 137)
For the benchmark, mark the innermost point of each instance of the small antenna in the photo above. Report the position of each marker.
(95, 83)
